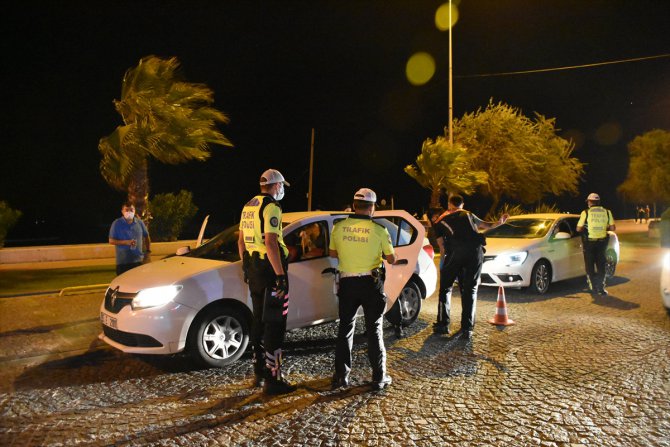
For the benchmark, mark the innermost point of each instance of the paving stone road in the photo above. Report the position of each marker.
(575, 371)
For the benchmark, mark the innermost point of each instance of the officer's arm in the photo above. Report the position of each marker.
(611, 227)
(332, 253)
(440, 243)
(241, 248)
(390, 258)
(272, 245)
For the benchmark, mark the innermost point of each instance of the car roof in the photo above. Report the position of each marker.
(297, 215)
(543, 216)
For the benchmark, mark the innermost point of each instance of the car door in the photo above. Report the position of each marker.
(312, 299)
(407, 236)
(576, 249)
(560, 251)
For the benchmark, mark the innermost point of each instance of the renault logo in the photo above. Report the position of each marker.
(114, 295)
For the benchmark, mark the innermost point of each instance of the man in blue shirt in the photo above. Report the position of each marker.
(126, 234)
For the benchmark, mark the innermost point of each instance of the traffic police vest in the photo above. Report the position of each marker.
(261, 215)
(596, 220)
(360, 243)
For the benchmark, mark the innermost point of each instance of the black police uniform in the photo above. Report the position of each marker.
(260, 215)
(463, 259)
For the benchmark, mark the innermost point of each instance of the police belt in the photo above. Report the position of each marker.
(596, 240)
(355, 275)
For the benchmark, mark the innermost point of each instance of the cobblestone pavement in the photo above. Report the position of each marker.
(575, 370)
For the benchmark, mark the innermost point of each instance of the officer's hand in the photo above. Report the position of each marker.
(281, 286)
(503, 218)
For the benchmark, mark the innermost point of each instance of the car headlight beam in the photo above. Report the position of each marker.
(155, 296)
(512, 259)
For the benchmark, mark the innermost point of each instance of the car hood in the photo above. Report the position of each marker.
(164, 272)
(496, 246)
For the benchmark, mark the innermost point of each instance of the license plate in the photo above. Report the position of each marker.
(107, 320)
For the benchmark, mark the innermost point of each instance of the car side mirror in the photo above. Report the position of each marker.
(181, 251)
(562, 235)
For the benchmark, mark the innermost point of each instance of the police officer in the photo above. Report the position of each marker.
(264, 254)
(359, 243)
(597, 221)
(463, 258)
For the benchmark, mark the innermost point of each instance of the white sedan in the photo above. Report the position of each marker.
(665, 281)
(199, 302)
(534, 250)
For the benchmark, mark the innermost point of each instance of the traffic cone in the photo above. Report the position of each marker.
(500, 318)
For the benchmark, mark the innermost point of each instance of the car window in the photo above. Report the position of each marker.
(222, 247)
(562, 226)
(572, 223)
(401, 231)
(521, 229)
(308, 241)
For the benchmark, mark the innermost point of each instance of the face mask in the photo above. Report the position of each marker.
(129, 215)
(280, 193)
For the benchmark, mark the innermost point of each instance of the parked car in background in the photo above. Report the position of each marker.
(198, 301)
(535, 250)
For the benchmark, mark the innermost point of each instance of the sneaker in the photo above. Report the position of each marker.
(439, 328)
(603, 292)
(259, 381)
(275, 387)
(466, 335)
(339, 382)
(384, 383)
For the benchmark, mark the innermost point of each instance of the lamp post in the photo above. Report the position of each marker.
(451, 90)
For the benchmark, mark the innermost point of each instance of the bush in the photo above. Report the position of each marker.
(8, 218)
(170, 214)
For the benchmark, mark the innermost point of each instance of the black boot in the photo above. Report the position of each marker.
(275, 383)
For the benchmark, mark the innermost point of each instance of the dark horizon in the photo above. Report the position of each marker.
(279, 69)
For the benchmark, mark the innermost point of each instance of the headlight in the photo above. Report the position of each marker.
(512, 258)
(666, 261)
(156, 296)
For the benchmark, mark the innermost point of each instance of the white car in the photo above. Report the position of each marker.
(665, 281)
(199, 302)
(534, 250)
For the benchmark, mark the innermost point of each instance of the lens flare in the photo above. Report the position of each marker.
(442, 16)
(420, 68)
(608, 134)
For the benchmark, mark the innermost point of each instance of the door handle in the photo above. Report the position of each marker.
(329, 270)
(401, 262)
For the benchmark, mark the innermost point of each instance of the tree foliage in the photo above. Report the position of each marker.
(165, 118)
(8, 218)
(443, 168)
(524, 159)
(170, 213)
(648, 177)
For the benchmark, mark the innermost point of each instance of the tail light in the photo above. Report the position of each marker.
(429, 250)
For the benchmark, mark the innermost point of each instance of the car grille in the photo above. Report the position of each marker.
(486, 279)
(130, 339)
(115, 300)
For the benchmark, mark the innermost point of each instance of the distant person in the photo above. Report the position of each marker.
(647, 212)
(464, 255)
(594, 223)
(129, 235)
(640, 214)
(265, 263)
(360, 244)
(637, 212)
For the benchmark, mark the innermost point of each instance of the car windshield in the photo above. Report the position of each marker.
(222, 247)
(521, 228)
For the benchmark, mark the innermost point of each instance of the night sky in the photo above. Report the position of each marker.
(281, 68)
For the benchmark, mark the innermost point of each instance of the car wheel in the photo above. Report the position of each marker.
(219, 336)
(408, 305)
(540, 277)
(610, 267)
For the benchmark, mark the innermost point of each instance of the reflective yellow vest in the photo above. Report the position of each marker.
(261, 215)
(360, 243)
(596, 219)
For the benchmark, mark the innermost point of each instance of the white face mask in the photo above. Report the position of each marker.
(280, 192)
(129, 215)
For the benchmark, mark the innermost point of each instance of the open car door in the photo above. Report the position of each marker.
(407, 236)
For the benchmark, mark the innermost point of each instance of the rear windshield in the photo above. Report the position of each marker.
(521, 228)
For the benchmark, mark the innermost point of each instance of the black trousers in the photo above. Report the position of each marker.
(595, 262)
(367, 292)
(466, 264)
(266, 336)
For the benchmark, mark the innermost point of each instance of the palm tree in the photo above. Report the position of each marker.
(443, 167)
(165, 118)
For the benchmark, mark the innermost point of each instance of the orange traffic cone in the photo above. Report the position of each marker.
(500, 318)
